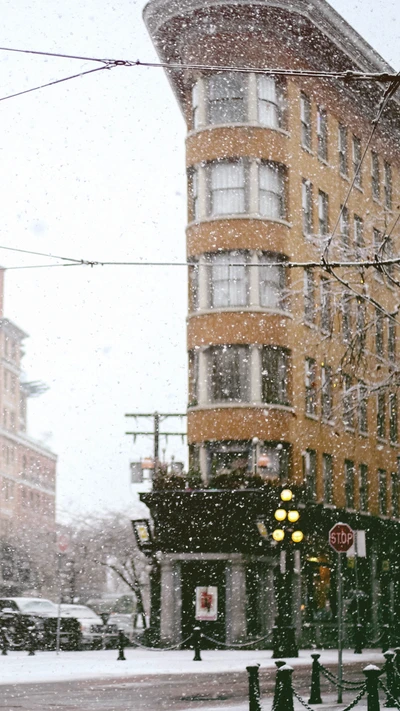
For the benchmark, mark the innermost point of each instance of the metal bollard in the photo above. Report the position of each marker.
(196, 637)
(4, 641)
(315, 691)
(283, 696)
(390, 678)
(121, 647)
(358, 638)
(31, 641)
(372, 674)
(385, 638)
(254, 688)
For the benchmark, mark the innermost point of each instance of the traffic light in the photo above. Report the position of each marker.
(286, 514)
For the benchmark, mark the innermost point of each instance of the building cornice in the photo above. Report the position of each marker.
(29, 443)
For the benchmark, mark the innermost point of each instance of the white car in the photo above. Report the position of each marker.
(94, 633)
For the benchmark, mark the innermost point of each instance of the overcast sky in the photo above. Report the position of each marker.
(94, 169)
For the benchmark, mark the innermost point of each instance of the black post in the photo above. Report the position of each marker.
(121, 647)
(254, 688)
(284, 633)
(315, 691)
(196, 637)
(358, 638)
(390, 678)
(31, 641)
(4, 641)
(397, 670)
(283, 697)
(372, 674)
(385, 638)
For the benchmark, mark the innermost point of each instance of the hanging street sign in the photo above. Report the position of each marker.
(341, 537)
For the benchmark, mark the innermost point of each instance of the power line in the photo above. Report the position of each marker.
(347, 75)
(52, 83)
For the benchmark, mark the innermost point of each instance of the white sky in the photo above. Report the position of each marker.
(94, 169)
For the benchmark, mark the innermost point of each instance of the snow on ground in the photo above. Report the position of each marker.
(19, 668)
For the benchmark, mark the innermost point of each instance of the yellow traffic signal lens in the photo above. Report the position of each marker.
(297, 536)
(293, 516)
(278, 534)
(286, 495)
(280, 514)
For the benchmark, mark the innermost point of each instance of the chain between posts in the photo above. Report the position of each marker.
(389, 695)
(235, 646)
(351, 685)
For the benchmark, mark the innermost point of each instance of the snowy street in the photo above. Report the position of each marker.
(152, 681)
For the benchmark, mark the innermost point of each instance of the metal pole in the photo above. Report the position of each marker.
(340, 629)
(156, 438)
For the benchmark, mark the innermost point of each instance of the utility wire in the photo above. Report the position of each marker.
(51, 83)
(347, 75)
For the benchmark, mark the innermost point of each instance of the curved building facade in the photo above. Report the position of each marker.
(290, 365)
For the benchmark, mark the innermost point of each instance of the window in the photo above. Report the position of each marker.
(342, 148)
(229, 373)
(326, 306)
(378, 246)
(305, 118)
(322, 212)
(195, 105)
(194, 287)
(306, 199)
(392, 339)
(375, 178)
(356, 162)
(363, 487)
(362, 408)
(226, 98)
(229, 280)
(381, 415)
(271, 192)
(349, 476)
(382, 492)
(269, 99)
(275, 373)
(227, 188)
(327, 473)
(322, 133)
(193, 378)
(344, 227)
(348, 402)
(346, 317)
(310, 473)
(387, 185)
(272, 282)
(326, 392)
(358, 237)
(194, 193)
(396, 493)
(310, 386)
(309, 296)
(393, 428)
(360, 322)
(379, 333)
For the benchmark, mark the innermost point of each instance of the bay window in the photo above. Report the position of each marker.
(269, 102)
(271, 192)
(229, 280)
(229, 371)
(226, 98)
(272, 282)
(274, 375)
(227, 188)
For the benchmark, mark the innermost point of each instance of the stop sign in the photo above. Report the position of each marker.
(63, 543)
(341, 537)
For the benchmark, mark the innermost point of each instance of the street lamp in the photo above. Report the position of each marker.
(287, 535)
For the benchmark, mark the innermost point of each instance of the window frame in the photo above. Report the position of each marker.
(323, 213)
(343, 150)
(211, 170)
(305, 121)
(228, 103)
(327, 477)
(364, 488)
(381, 414)
(310, 384)
(265, 262)
(277, 195)
(322, 134)
(307, 206)
(382, 492)
(357, 155)
(326, 393)
(275, 384)
(349, 483)
(217, 262)
(225, 369)
(375, 176)
(388, 185)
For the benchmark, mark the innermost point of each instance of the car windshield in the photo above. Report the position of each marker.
(38, 606)
(78, 611)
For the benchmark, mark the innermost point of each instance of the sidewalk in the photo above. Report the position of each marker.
(19, 668)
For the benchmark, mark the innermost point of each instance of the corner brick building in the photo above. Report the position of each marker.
(292, 370)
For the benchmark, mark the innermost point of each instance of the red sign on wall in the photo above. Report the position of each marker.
(341, 537)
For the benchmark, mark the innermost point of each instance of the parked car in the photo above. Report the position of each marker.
(92, 631)
(20, 616)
